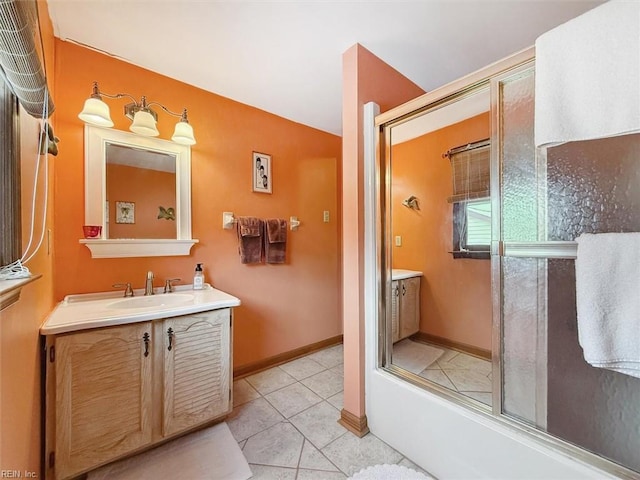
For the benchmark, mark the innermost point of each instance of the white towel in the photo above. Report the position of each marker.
(588, 76)
(608, 300)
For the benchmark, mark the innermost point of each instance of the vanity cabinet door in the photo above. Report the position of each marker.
(409, 306)
(197, 369)
(103, 396)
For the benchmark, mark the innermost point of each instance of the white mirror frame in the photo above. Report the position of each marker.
(95, 144)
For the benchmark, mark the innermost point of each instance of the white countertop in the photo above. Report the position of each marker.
(401, 274)
(92, 310)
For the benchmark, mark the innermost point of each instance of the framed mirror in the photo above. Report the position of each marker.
(138, 189)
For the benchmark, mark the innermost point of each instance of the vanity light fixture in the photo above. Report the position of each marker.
(144, 118)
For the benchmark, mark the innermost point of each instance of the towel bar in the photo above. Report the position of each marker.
(229, 220)
(548, 249)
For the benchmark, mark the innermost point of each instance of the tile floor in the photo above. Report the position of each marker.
(463, 373)
(285, 421)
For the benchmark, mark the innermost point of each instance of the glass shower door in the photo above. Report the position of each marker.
(547, 199)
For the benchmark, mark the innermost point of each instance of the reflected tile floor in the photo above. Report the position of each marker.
(285, 421)
(463, 373)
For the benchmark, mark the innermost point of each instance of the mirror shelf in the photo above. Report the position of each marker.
(101, 143)
(122, 248)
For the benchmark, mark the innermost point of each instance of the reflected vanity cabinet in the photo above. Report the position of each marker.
(117, 390)
(405, 307)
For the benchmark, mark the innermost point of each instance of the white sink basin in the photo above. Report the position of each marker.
(106, 309)
(152, 301)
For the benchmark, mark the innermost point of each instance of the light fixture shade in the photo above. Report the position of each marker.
(144, 124)
(96, 112)
(183, 134)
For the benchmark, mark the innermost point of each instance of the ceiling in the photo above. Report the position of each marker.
(285, 56)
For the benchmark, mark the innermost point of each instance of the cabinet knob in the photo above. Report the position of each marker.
(397, 291)
(170, 335)
(404, 289)
(145, 338)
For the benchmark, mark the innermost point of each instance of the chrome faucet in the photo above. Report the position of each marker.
(148, 285)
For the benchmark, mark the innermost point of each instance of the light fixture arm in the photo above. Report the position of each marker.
(120, 95)
(142, 104)
(96, 93)
(166, 109)
(182, 116)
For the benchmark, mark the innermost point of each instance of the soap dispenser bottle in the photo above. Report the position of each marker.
(198, 278)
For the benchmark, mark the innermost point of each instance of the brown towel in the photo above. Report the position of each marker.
(275, 240)
(250, 239)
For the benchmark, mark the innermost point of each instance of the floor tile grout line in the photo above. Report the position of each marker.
(304, 442)
(311, 406)
(287, 420)
(285, 386)
(284, 420)
(332, 463)
(299, 379)
(452, 382)
(273, 466)
(263, 394)
(297, 469)
(318, 448)
(323, 455)
(308, 409)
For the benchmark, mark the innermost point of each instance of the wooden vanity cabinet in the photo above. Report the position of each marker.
(118, 390)
(405, 307)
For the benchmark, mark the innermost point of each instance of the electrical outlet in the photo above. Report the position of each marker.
(325, 216)
(398, 241)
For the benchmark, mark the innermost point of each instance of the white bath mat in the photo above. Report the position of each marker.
(208, 454)
(389, 472)
(414, 356)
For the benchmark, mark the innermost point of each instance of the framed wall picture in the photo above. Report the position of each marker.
(262, 176)
(125, 212)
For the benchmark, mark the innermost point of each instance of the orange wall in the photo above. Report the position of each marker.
(19, 324)
(147, 189)
(283, 306)
(455, 294)
(365, 78)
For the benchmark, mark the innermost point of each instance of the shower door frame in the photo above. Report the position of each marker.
(490, 76)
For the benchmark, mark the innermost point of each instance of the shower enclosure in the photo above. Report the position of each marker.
(541, 200)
